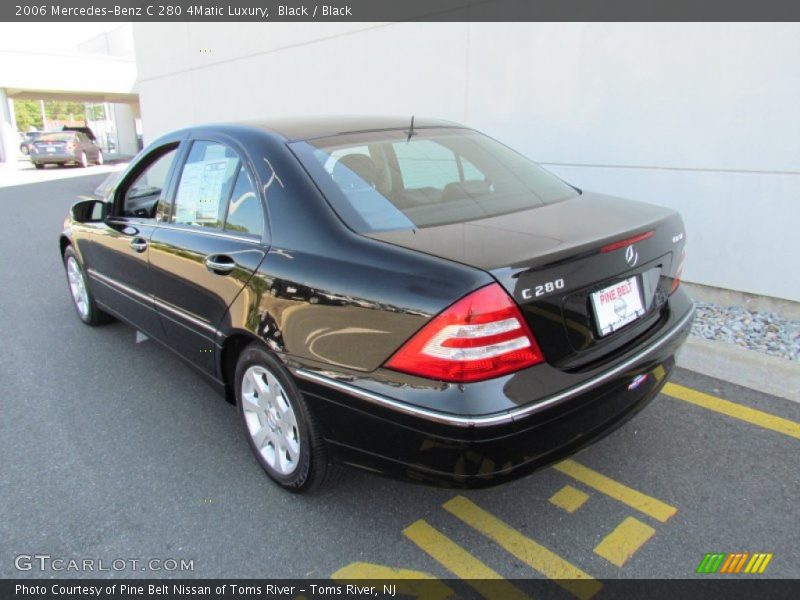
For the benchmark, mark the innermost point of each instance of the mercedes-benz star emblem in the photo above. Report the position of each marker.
(631, 255)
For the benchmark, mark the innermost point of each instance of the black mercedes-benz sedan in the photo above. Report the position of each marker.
(410, 298)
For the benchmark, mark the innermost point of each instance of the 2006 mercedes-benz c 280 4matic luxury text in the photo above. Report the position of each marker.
(409, 298)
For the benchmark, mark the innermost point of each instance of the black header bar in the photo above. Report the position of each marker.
(398, 10)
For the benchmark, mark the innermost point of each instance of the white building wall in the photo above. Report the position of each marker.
(700, 117)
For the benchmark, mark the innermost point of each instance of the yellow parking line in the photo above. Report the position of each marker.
(648, 505)
(732, 409)
(626, 539)
(569, 498)
(454, 558)
(548, 563)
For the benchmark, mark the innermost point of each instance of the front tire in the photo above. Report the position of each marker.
(82, 297)
(281, 431)
(38, 165)
(83, 162)
(99, 160)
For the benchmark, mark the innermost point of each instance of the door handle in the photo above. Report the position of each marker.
(220, 264)
(139, 244)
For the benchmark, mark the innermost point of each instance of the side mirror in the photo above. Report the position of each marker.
(89, 211)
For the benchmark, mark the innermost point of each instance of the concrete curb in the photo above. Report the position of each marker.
(788, 309)
(756, 370)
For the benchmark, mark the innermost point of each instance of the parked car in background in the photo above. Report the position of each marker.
(65, 147)
(416, 300)
(28, 138)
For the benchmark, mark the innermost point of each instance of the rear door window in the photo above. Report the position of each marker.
(245, 214)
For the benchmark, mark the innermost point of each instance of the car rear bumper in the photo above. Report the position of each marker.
(382, 432)
(51, 158)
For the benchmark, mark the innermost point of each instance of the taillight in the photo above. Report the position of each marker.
(481, 336)
(70, 145)
(678, 273)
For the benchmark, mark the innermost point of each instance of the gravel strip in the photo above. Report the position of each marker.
(761, 331)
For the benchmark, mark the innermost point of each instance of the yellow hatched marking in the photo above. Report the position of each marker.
(569, 498)
(645, 504)
(454, 558)
(734, 410)
(409, 583)
(545, 561)
(626, 539)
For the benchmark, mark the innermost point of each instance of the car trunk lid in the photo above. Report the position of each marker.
(567, 265)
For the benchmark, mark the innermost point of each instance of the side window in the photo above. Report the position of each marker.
(205, 185)
(424, 163)
(244, 210)
(141, 197)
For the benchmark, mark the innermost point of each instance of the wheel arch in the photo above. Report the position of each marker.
(231, 349)
(63, 243)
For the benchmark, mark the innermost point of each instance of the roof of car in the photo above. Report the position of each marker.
(304, 128)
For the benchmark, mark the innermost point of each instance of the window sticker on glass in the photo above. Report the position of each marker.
(200, 191)
(205, 183)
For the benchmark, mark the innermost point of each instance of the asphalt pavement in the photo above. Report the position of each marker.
(117, 450)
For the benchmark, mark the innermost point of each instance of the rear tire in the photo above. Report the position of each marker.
(82, 297)
(100, 159)
(282, 433)
(83, 162)
(38, 165)
(24, 150)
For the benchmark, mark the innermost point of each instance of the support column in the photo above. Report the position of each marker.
(126, 129)
(9, 140)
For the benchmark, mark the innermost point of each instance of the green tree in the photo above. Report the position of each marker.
(28, 114)
(65, 111)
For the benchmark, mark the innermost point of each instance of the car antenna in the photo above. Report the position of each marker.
(411, 131)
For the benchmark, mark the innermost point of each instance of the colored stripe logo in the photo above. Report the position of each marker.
(734, 563)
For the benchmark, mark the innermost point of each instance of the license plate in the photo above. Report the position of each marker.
(617, 305)
(50, 149)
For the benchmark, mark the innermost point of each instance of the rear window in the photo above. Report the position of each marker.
(381, 181)
(57, 137)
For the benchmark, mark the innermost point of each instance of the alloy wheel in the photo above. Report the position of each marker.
(77, 285)
(270, 420)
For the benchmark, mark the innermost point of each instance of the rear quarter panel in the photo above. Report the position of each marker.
(326, 297)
